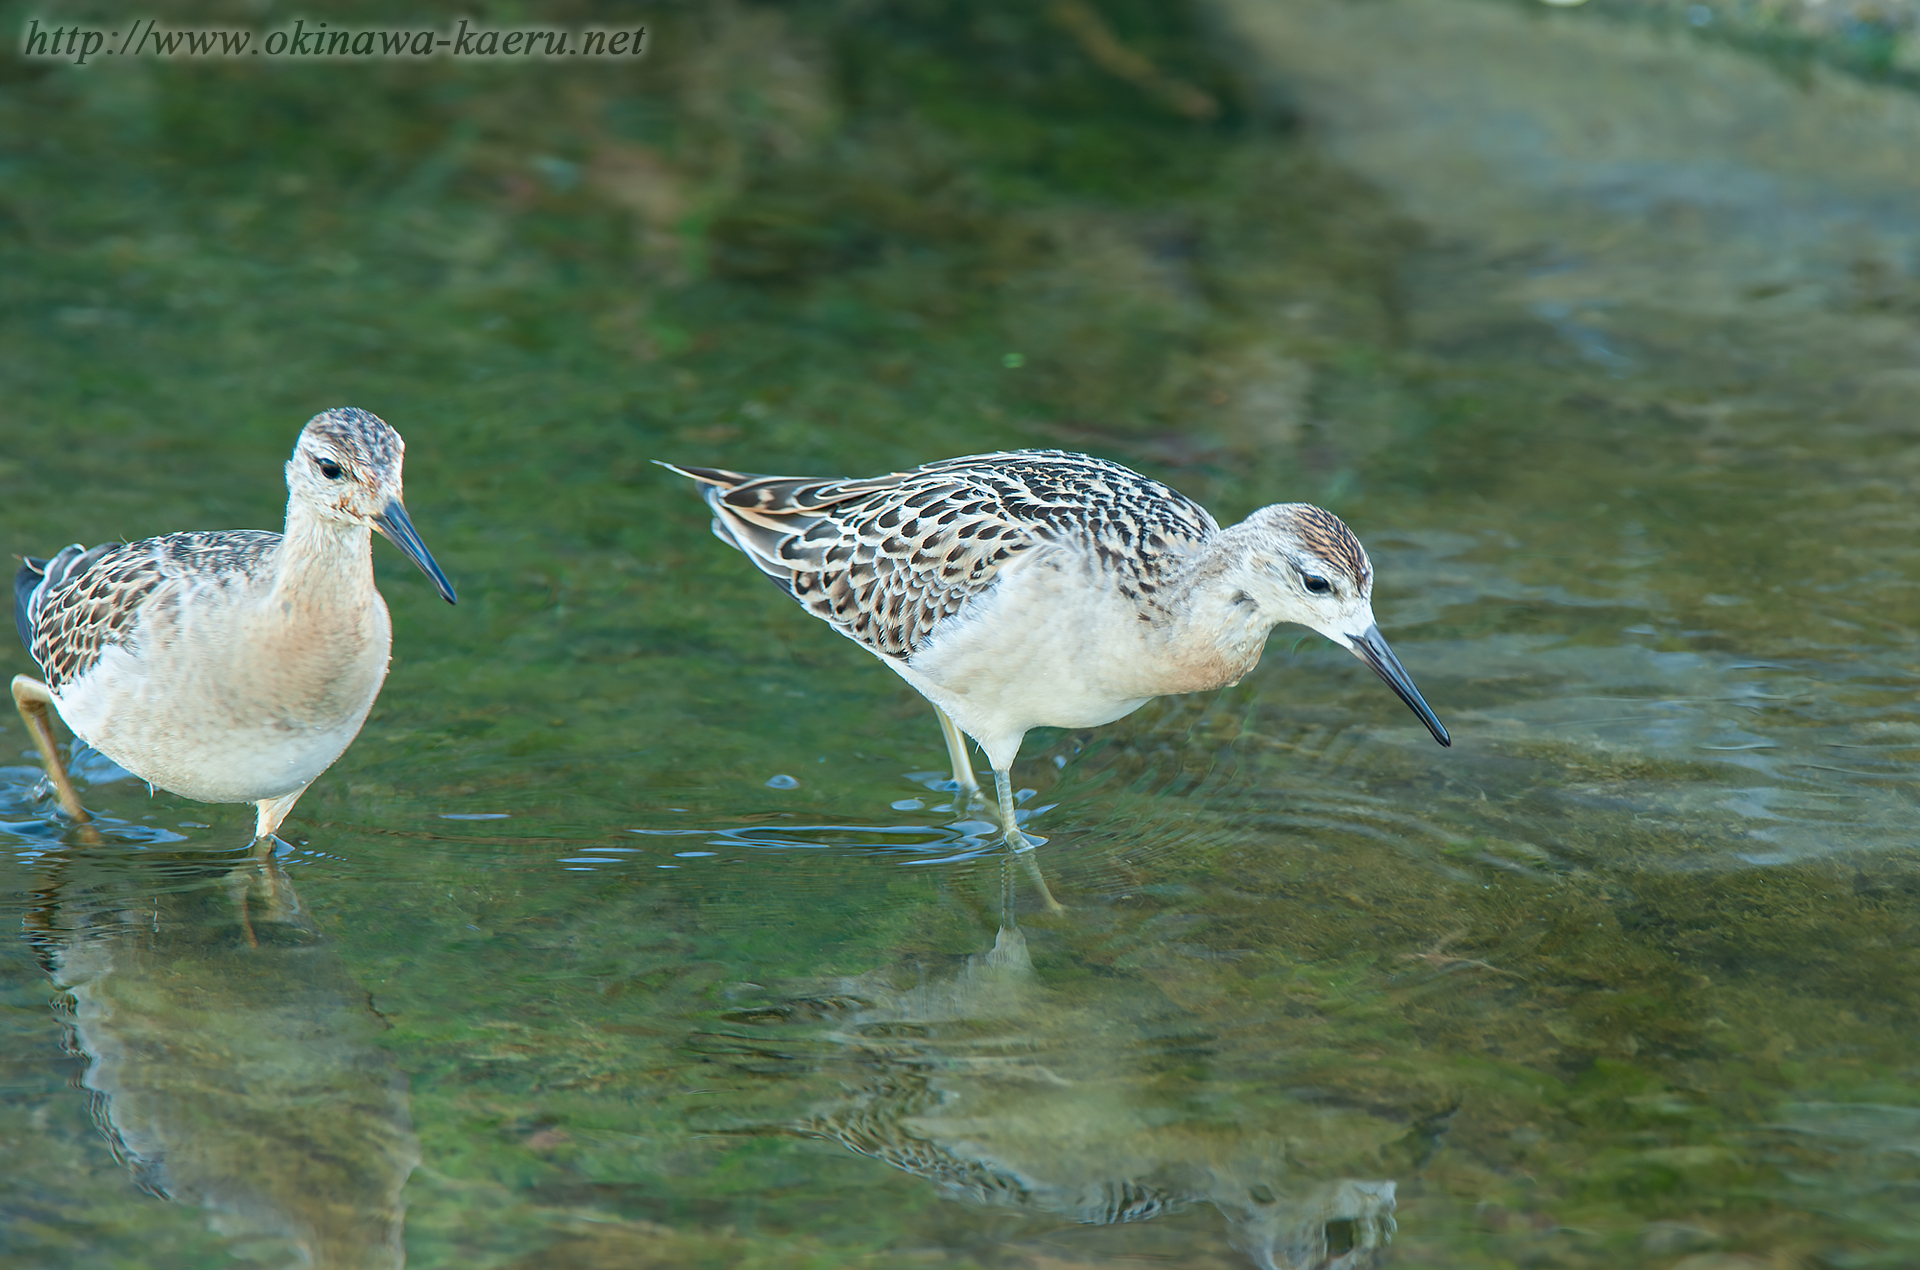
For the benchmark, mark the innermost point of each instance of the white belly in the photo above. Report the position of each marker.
(1041, 649)
(229, 716)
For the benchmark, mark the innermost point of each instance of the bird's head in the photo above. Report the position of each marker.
(1307, 567)
(346, 468)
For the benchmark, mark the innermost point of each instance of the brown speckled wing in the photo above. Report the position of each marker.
(886, 560)
(91, 600)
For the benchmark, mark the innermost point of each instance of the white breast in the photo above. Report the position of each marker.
(239, 708)
(1043, 647)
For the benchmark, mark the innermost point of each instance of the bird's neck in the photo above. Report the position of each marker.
(323, 563)
(1213, 629)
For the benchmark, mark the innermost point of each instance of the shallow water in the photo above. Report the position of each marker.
(1605, 340)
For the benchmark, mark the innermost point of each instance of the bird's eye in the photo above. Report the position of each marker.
(329, 469)
(1316, 584)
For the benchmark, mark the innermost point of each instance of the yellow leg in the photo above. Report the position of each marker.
(33, 698)
(1039, 881)
(263, 872)
(272, 812)
(957, 751)
(1018, 842)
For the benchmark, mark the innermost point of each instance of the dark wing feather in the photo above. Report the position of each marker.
(25, 583)
(886, 560)
(90, 600)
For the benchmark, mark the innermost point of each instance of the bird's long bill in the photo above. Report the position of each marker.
(398, 527)
(1372, 649)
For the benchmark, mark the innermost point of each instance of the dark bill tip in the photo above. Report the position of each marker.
(398, 527)
(1372, 649)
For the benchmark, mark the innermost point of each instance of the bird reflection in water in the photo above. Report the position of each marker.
(1005, 1094)
(230, 1056)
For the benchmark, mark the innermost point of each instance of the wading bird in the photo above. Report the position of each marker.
(229, 667)
(1041, 588)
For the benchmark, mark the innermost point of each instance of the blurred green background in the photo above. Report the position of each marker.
(1626, 978)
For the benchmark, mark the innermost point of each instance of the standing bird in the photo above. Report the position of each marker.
(1042, 588)
(229, 667)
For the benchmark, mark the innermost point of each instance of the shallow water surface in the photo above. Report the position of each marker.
(637, 928)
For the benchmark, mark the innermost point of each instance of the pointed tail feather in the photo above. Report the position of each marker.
(32, 573)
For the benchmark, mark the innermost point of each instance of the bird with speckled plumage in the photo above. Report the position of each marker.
(233, 666)
(1042, 588)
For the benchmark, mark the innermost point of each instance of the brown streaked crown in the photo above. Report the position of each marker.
(362, 437)
(1327, 536)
